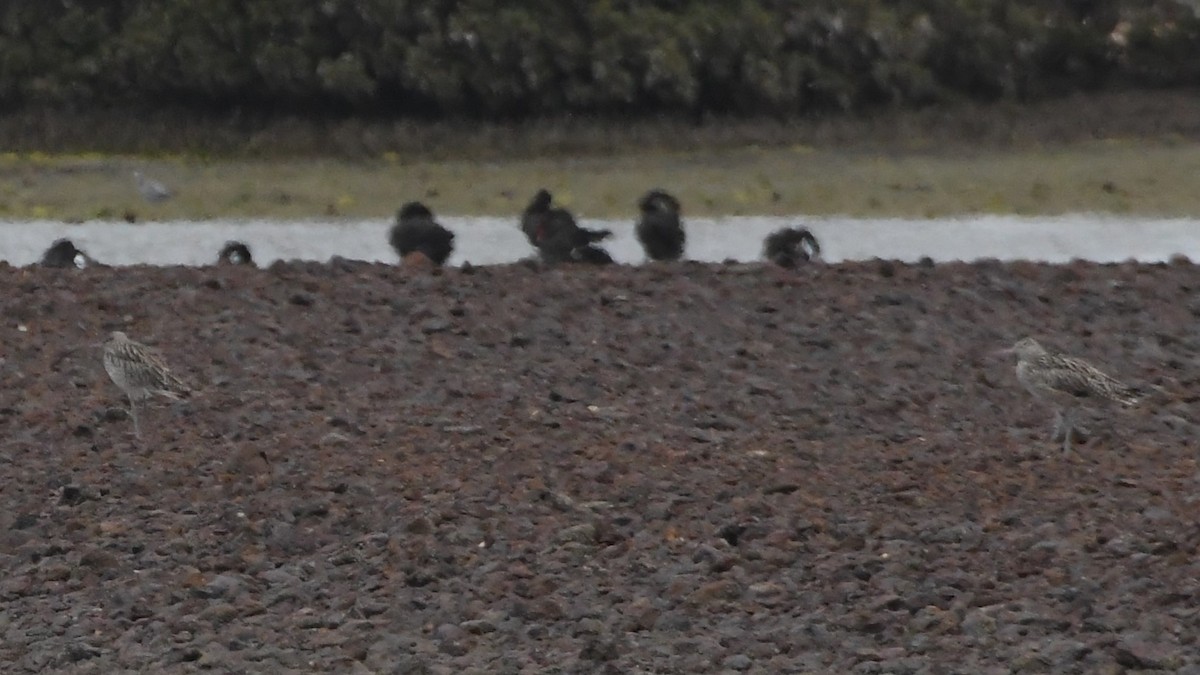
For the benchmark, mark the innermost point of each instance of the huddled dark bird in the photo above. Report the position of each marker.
(660, 229)
(791, 246)
(235, 253)
(557, 237)
(417, 231)
(63, 254)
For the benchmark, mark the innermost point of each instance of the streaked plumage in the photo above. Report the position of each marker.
(140, 372)
(660, 229)
(791, 246)
(1066, 382)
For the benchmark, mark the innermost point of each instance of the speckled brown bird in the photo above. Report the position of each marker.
(140, 372)
(1066, 383)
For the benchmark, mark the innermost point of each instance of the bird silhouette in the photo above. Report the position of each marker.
(63, 254)
(660, 229)
(557, 237)
(417, 231)
(235, 253)
(791, 246)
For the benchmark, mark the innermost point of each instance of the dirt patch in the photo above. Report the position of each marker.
(667, 468)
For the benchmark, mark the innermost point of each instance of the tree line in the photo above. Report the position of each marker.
(512, 60)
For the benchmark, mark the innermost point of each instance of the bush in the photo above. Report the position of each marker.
(493, 58)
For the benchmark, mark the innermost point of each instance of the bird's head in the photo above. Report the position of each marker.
(541, 200)
(414, 210)
(1025, 348)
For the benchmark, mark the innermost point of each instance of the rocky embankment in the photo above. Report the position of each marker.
(664, 469)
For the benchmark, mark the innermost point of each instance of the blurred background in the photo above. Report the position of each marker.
(340, 111)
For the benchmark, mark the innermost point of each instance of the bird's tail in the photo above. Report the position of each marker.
(595, 235)
(1144, 393)
(175, 388)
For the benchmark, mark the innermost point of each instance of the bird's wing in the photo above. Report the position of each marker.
(1083, 380)
(154, 359)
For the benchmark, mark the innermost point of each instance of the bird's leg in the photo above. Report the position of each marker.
(133, 412)
(1057, 434)
(1068, 431)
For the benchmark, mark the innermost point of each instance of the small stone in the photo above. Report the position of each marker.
(221, 586)
(220, 613)
(449, 631)
(1136, 653)
(723, 589)
(641, 615)
(478, 626)
(767, 594)
(24, 521)
(419, 525)
(584, 533)
(98, 558)
(738, 662)
(81, 651)
(978, 624)
(315, 508)
(600, 649)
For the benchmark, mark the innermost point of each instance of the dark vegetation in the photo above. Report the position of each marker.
(686, 59)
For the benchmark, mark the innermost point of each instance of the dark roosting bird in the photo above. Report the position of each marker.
(235, 253)
(660, 229)
(416, 231)
(557, 237)
(63, 254)
(791, 246)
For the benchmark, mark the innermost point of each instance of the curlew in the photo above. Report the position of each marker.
(1066, 383)
(140, 372)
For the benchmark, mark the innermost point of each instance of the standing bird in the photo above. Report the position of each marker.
(416, 230)
(539, 212)
(140, 372)
(1065, 383)
(557, 237)
(791, 246)
(151, 190)
(235, 253)
(660, 229)
(63, 254)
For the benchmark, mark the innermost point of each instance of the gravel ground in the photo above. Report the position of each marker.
(680, 468)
